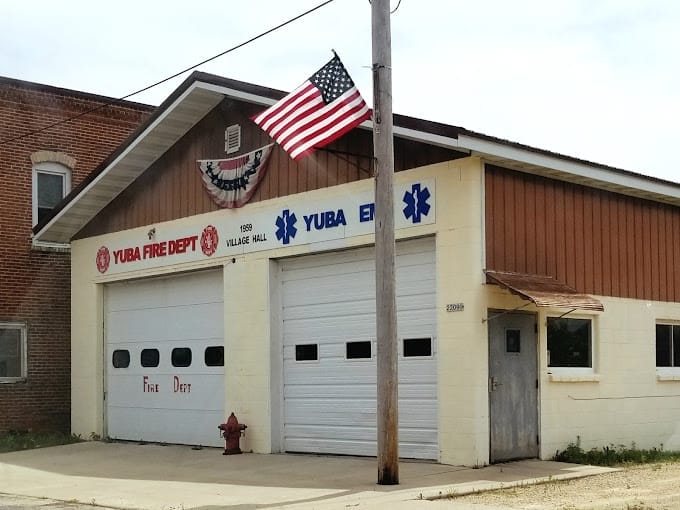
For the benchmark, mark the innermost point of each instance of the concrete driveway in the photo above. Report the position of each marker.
(150, 476)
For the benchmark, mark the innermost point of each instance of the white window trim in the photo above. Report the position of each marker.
(666, 373)
(49, 167)
(24, 344)
(50, 246)
(572, 371)
(574, 374)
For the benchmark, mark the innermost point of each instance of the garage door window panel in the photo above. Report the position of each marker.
(181, 357)
(358, 350)
(150, 358)
(214, 356)
(121, 358)
(307, 352)
(417, 347)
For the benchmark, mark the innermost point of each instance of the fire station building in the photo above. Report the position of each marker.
(538, 295)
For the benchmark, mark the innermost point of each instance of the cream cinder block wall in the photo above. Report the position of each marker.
(247, 349)
(463, 366)
(87, 383)
(624, 400)
(253, 366)
(630, 402)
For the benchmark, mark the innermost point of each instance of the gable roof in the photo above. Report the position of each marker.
(201, 92)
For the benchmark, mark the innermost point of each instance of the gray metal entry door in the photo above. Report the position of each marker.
(513, 386)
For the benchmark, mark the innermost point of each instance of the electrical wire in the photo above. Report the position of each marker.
(120, 99)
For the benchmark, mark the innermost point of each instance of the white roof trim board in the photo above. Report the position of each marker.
(200, 97)
(572, 171)
(147, 147)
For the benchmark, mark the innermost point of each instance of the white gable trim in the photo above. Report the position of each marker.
(126, 152)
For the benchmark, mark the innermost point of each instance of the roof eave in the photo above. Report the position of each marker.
(132, 159)
(535, 161)
(66, 220)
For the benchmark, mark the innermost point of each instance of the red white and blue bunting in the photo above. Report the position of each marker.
(232, 182)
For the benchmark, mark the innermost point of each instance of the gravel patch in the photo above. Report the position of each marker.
(643, 487)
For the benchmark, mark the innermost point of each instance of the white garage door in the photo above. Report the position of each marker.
(165, 359)
(329, 352)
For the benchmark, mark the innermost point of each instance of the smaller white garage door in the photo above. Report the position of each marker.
(165, 359)
(329, 352)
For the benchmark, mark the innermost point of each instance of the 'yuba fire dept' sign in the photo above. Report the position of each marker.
(241, 231)
(158, 253)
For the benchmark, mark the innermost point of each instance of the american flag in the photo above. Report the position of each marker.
(320, 110)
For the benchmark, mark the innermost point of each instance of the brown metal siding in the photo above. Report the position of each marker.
(171, 188)
(596, 241)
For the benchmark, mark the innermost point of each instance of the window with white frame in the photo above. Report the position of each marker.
(12, 351)
(667, 345)
(51, 183)
(570, 342)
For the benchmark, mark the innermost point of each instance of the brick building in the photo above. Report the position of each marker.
(36, 171)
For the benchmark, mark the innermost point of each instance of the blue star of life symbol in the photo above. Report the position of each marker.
(285, 226)
(416, 203)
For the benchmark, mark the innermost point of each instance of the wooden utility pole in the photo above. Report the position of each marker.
(386, 314)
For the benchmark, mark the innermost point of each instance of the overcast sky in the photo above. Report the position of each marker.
(595, 79)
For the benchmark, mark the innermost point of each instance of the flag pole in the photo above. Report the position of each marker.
(386, 317)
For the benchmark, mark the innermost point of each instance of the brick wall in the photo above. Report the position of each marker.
(35, 284)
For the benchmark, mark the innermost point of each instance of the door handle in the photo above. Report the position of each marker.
(494, 384)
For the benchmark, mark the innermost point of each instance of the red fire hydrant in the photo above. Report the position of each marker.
(231, 431)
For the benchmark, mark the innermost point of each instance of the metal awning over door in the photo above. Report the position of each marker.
(544, 291)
